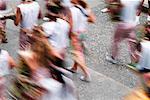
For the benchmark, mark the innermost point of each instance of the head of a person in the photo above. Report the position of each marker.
(51, 16)
(74, 1)
(54, 3)
(83, 3)
(54, 9)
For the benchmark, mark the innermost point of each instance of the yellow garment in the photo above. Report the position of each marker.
(137, 95)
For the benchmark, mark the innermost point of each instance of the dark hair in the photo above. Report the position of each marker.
(147, 28)
(138, 46)
(52, 12)
(147, 36)
(56, 11)
(83, 3)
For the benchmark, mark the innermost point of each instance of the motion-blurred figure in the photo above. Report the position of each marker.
(38, 72)
(144, 70)
(125, 30)
(57, 28)
(27, 15)
(6, 63)
(81, 14)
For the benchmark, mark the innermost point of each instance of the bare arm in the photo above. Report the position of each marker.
(91, 17)
(11, 62)
(18, 17)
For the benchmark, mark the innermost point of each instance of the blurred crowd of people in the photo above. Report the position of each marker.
(40, 73)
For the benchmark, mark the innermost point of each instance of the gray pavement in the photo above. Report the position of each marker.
(109, 82)
(100, 88)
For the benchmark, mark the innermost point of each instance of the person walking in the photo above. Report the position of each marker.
(27, 15)
(125, 30)
(6, 64)
(80, 17)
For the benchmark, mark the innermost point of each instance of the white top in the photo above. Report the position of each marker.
(49, 28)
(129, 10)
(83, 21)
(30, 13)
(76, 16)
(145, 55)
(67, 3)
(42, 77)
(53, 87)
(57, 32)
(4, 63)
(62, 31)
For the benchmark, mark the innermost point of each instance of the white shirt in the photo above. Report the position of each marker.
(57, 32)
(49, 28)
(129, 10)
(62, 31)
(30, 13)
(76, 17)
(83, 20)
(4, 63)
(145, 55)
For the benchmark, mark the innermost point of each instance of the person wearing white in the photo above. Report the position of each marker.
(76, 16)
(30, 13)
(6, 63)
(144, 61)
(57, 33)
(27, 15)
(125, 30)
(129, 10)
(79, 21)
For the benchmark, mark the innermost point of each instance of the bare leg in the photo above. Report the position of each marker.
(80, 62)
(75, 66)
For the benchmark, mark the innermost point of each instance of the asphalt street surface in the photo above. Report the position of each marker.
(109, 81)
